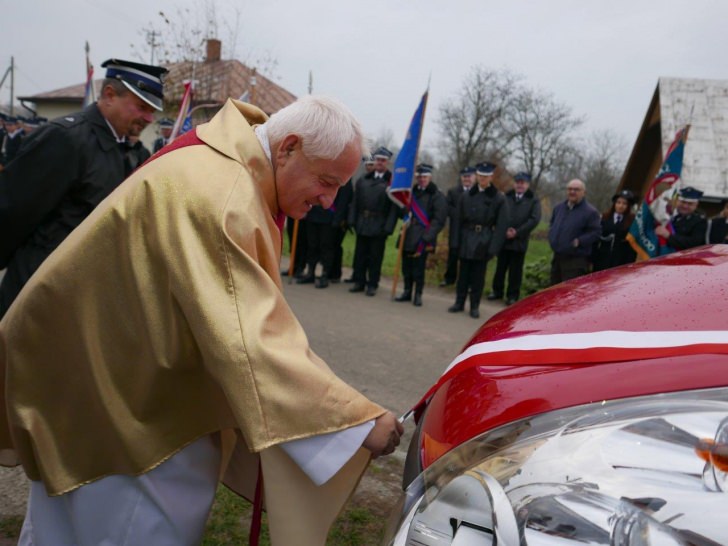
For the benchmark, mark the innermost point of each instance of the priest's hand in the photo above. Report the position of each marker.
(383, 439)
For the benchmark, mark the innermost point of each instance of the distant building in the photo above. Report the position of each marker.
(677, 101)
(216, 81)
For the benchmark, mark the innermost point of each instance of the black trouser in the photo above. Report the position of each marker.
(300, 256)
(339, 235)
(512, 262)
(413, 271)
(451, 273)
(471, 279)
(565, 267)
(320, 247)
(368, 259)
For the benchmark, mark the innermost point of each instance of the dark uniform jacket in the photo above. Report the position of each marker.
(372, 212)
(525, 215)
(481, 222)
(612, 248)
(11, 145)
(718, 230)
(582, 222)
(433, 203)
(342, 203)
(63, 170)
(134, 156)
(159, 143)
(689, 231)
(453, 198)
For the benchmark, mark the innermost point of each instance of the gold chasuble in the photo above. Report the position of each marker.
(161, 319)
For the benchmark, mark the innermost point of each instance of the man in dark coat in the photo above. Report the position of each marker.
(11, 140)
(320, 241)
(467, 177)
(718, 229)
(340, 224)
(165, 128)
(67, 167)
(481, 221)
(525, 214)
(689, 225)
(136, 153)
(574, 228)
(373, 215)
(427, 218)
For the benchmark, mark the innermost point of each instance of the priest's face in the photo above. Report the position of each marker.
(302, 183)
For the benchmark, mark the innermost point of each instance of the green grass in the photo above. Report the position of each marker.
(539, 252)
(229, 523)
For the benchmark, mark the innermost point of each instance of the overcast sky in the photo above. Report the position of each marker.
(601, 57)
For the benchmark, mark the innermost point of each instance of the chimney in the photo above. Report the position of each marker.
(214, 47)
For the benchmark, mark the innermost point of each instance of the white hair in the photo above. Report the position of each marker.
(324, 125)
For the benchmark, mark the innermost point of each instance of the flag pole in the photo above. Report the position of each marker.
(403, 232)
(398, 264)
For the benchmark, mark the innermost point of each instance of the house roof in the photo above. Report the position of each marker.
(675, 102)
(216, 81)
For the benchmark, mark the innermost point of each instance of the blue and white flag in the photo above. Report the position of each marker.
(400, 188)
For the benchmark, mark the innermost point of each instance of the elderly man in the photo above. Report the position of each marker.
(525, 214)
(574, 228)
(153, 351)
(689, 226)
(67, 167)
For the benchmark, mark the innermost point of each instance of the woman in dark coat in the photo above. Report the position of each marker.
(612, 248)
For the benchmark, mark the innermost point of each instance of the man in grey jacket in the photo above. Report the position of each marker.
(525, 214)
(574, 228)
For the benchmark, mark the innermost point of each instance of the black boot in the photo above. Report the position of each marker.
(306, 279)
(474, 312)
(417, 302)
(404, 296)
(457, 308)
(358, 287)
(322, 282)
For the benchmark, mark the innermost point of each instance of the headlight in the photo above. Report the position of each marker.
(635, 472)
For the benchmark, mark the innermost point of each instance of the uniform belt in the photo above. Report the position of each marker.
(368, 213)
(477, 228)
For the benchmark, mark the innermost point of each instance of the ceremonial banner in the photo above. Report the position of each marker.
(657, 206)
(400, 189)
(183, 123)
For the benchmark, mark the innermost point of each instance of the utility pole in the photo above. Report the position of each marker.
(310, 82)
(151, 40)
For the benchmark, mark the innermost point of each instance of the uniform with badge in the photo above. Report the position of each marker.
(165, 127)
(428, 214)
(612, 249)
(481, 224)
(453, 199)
(373, 215)
(64, 169)
(525, 214)
(689, 229)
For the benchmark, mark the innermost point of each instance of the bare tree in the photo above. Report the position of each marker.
(472, 124)
(604, 160)
(540, 129)
(181, 36)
